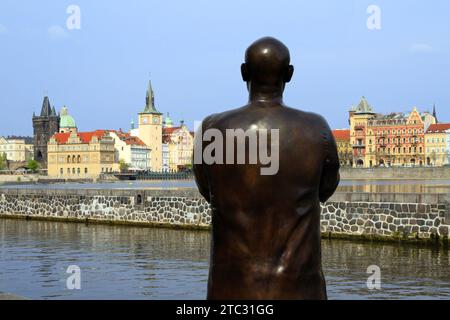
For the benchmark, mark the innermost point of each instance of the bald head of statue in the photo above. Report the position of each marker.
(267, 65)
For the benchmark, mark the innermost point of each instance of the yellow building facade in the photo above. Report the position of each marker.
(345, 150)
(436, 145)
(180, 142)
(81, 155)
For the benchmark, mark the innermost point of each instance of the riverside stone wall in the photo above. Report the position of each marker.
(431, 173)
(394, 216)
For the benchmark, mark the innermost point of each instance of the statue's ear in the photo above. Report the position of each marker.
(289, 73)
(245, 73)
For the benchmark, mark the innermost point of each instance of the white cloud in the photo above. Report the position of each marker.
(57, 32)
(421, 48)
(3, 29)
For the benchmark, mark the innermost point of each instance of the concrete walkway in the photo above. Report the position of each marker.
(7, 296)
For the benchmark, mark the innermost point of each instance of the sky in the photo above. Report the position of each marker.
(192, 51)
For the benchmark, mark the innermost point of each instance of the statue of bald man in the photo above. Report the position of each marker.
(265, 241)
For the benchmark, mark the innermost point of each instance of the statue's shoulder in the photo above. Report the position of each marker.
(306, 117)
(215, 120)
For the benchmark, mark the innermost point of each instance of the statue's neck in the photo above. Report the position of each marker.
(272, 94)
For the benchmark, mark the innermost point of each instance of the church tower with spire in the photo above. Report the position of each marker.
(150, 129)
(434, 113)
(44, 126)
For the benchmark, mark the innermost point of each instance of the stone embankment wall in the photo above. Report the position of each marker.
(362, 215)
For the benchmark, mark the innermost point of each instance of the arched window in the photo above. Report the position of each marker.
(68, 159)
(79, 159)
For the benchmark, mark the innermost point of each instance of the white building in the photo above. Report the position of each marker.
(131, 150)
(447, 132)
(17, 149)
(165, 157)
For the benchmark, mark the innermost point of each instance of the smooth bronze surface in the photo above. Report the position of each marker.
(265, 240)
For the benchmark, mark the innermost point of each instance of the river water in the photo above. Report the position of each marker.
(121, 262)
(386, 186)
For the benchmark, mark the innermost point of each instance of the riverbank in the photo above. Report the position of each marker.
(397, 173)
(416, 173)
(366, 216)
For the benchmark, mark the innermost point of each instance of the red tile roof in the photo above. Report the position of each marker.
(438, 127)
(128, 138)
(167, 131)
(85, 137)
(341, 134)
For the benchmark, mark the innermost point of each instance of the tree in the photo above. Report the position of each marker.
(123, 166)
(3, 161)
(33, 165)
(433, 157)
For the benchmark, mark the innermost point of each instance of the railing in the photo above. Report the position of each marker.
(151, 175)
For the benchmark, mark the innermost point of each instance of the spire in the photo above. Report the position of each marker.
(46, 110)
(132, 124)
(53, 111)
(150, 100)
(434, 113)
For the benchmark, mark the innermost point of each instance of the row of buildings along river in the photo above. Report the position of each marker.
(62, 151)
(393, 140)
(155, 144)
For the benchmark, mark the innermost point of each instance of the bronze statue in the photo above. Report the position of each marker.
(266, 228)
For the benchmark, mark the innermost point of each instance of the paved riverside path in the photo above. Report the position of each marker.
(7, 296)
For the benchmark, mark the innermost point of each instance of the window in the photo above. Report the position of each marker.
(68, 170)
(61, 171)
(78, 170)
(85, 170)
(73, 170)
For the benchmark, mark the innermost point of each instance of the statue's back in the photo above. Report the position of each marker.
(259, 221)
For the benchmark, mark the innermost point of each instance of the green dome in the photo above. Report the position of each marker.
(66, 120)
(168, 121)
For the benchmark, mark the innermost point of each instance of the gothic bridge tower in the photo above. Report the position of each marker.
(44, 126)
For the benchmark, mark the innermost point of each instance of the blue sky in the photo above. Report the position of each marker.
(192, 51)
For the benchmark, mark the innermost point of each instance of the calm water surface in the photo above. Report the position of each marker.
(119, 262)
(387, 186)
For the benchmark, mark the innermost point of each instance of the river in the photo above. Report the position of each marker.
(122, 262)
(371, 185)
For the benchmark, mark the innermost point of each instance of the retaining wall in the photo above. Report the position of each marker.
(369, 215)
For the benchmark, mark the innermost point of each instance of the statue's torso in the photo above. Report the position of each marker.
(266, 229)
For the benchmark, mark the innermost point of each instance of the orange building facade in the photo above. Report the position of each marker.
(396, 139)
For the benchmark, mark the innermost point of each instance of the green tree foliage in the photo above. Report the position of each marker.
(32, 165)
(3, 161)
(123, 166)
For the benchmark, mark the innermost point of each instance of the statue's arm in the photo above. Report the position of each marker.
(330, 170)
(199, 167)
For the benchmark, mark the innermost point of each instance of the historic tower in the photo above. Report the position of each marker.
(150, 129)
(44, 126)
